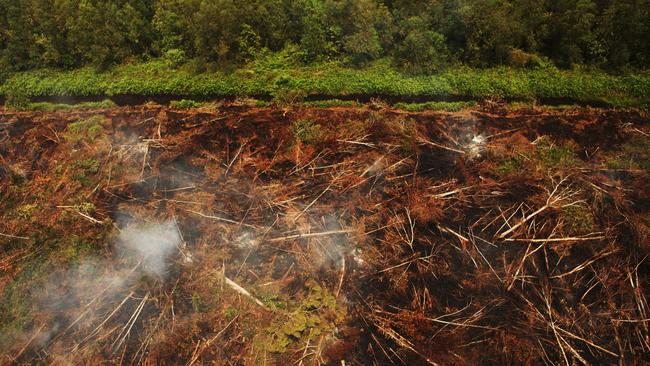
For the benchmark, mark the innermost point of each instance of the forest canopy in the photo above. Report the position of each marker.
(420, 36)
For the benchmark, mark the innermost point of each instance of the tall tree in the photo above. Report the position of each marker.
(571, 25)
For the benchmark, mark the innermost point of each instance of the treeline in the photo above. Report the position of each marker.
(418, 35)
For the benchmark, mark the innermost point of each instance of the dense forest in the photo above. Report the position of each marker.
(421, 36)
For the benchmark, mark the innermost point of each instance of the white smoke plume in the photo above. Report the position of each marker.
(81, 292)
(150, 244)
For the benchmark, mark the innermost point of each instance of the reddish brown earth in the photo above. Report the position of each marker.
(316, 236)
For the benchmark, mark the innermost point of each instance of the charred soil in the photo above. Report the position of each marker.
(236, 235)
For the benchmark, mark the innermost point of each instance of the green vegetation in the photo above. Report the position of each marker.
(17, 99)
(518, 105)
(315, 315)
(230, 312)
(635, 154)
(307, 132)
(83, 169)
(285, 96)
(513, 164)
(288, 50)
(50, 107)
(185, 104)
(18, 299)
(435, 106)
(331, 103)
(25, 211)
(85, 130)
(579, 220)
(555, 156)
(419, 36)
(21, 299)
(198, 305)
(291, 84)
(547, 156)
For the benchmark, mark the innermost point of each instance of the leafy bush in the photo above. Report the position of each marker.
(83, 169)
(249, 43)
(49, 107)
(314, 316)
(435, 106)
(330, 103)
(175, 57)
(17, 99)
(185, 104)
(513, 164)
(86, 129)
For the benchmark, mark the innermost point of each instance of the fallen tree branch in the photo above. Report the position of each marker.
(551, 240)
(221, 219)
(15, 237)
(243, 291)
(427, 142)
(309, 235)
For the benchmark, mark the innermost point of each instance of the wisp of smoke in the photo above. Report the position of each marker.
(144, 250)
(151, 245)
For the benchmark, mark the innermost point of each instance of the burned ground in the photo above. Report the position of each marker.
(240, 235)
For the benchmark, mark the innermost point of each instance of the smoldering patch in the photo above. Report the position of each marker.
(149, 244)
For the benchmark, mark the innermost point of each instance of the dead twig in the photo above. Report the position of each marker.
(234, 158)
(427, 142)
(244, 292)
(29, 342)
(309, 235)
(15, 237)
(555, 240)
(222, 219)
(126, 330)
(314, 201)
(338, 288)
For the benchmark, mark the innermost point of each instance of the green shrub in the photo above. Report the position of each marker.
(87, 129)
(510, 165)
(635, 154)
(18, 299)
(520, 58)
(578, 220)
(435, 106)
(198, 305)
(175, 57)
(49, 107)
(26, 211)
(104, 104)
(316, 315)
(286, 97)
(84, 169)
(185, 104)
(307, 132)
(555, 156)
(330, 103)
(16, 99)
